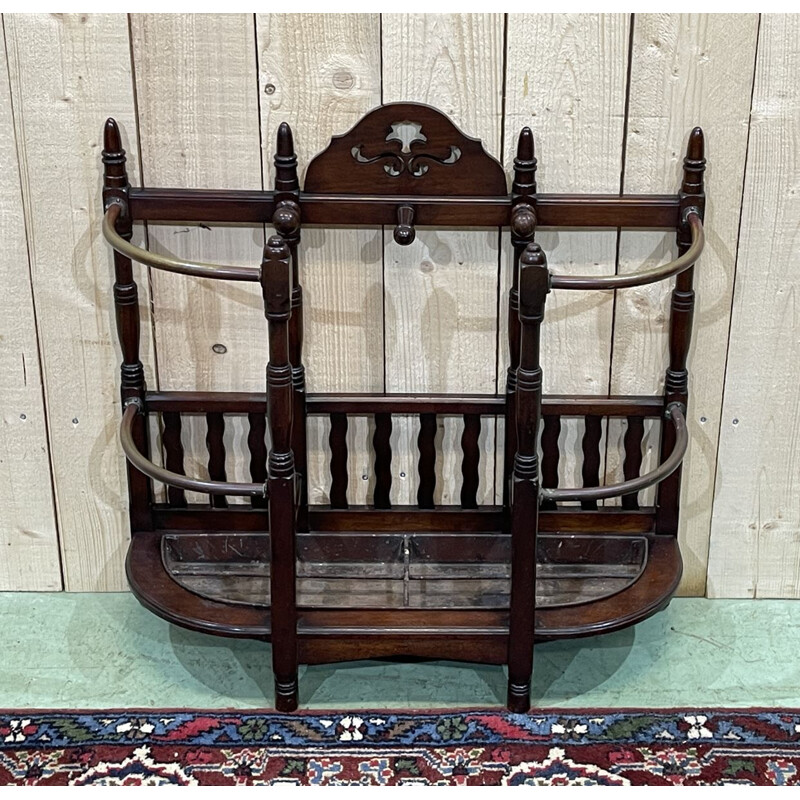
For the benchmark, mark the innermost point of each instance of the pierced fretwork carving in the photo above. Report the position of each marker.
(407, 134)
(396, 145)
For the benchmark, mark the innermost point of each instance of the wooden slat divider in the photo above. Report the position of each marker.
(426, 442)
(257, 446)
(591, 456)
(550, 456)
(470, 461)
(173, 453)
(633, 458)
(383, 460)
(338, 445)
(216, 455)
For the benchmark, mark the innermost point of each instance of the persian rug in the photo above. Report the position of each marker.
(687, 747)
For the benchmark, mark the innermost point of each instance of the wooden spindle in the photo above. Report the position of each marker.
(523, 229)
(215, 431)
(338, 446)
(173, 455)
(383, 460)
(426, 442)
(632, 465)
(533, 288)
(470, 461)
(286, 221)
(550, 456)
(591, 456)
(256, 444)
(276, 286)
(116, 189)
(676, 385)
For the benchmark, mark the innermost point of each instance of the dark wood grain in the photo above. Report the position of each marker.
(337, 441)
(552, 210)
(366, 404)
(116, 190)
(470, 462)
(533, 288)
(257, 446)
(632, 465)
(383, 460)
(590, 445)
(385, 172)
(676, 383)
(435, 157)
(215, 431)
(173, 452)
(426, 443)
(276, 286)
(550, 456)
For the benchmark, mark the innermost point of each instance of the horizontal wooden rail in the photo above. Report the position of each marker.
(552, 210)
(241, 518)
(364, 404)
(144, 465)
(195, 268)
(642, 277)
(663, 470)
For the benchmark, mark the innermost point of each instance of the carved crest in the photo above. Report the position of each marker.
(408, 149)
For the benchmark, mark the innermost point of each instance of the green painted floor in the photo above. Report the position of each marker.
(105, 651)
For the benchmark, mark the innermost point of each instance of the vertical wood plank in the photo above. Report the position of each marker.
(68, 73)
(441, 291)
(28, 533)
(681, 76)
(755, 548)
(321, 74)
(199, 128)
(566, 79)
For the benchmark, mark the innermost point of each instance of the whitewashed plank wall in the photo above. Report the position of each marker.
(611, 99)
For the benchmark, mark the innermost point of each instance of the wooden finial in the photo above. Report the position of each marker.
(112, 142)
(285, 162)
(694, 164)
(533, 255)
(115, 177)
(524, 183)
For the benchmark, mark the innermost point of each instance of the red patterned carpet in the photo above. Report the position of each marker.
(686, 747)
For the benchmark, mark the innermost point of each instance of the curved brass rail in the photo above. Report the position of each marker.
(645, 276)
(663, 470)
(173, 478)
(166, 263)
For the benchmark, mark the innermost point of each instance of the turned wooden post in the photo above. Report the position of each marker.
(286, 221)
(676, 385)
(523, 228)
(126, 305)
(533, 288)
(276, 285)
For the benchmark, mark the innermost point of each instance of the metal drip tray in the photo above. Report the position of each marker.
(412, 570)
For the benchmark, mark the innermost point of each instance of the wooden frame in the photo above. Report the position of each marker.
(338, 581)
